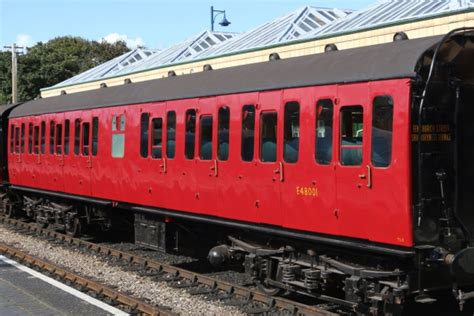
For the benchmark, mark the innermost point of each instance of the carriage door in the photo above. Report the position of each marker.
(353, 172)
(269, 173)
(207, 168)
(78, 163)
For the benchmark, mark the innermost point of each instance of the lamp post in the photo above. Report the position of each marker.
(214, 15)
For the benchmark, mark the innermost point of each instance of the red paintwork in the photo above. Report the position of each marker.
(246, 191)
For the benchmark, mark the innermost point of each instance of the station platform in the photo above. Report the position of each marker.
(24, 291)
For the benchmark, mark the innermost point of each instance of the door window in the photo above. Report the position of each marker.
(352, 134)
(144, 127)
(157, 139)
(223, 133)
(382, 128)
(205, 152)
(95, 134)
(59, 134)
(268, 137)
(248, 132)
(291, 132)
(171, 134)
(190, 135)
(324, 131)
(85, 139)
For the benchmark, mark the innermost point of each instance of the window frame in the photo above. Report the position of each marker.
(358, 146)
(168, 139)
(260, 138)
(316, 119)
(152, 146)
(186, 143)
(200, 144)
(219, 128)
(288, 103)
(254, 108)
(372, 132)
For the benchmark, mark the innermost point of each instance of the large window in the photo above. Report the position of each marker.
(171, 134)
(157, 139)
(268, 137)
(352, 134)
(205, 152)
(291, 132)
(382, 128)
(190, 135)
(144, 127)
(223, 133)
(324, 131)
(248, 132)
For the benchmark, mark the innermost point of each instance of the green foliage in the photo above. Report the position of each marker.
(47, 64)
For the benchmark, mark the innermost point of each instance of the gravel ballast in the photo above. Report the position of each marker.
(95, 267)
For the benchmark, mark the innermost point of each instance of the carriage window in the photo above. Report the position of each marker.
(205, 152)
(36, 134)
(12, 139)
(122, 123)
(43, 137)
(114, 123)
(51, 137)
(59, 136)
(324, 119)
(66, 137)
(248, 132)
(292, 132)
(382, 127)
(268, 137)
(30, 138)
(170, 134)
(223, 133)
(85, 139)
(17, 140)
(77, 136)
(157, 139)
(145, 122)
(351, 135)
(190, 136)
(22, 138)
(95, 136)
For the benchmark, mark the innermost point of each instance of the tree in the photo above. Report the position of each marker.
(47, 64)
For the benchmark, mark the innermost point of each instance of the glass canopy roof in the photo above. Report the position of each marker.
(304, 24)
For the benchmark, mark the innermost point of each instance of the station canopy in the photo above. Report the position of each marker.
(307, 23)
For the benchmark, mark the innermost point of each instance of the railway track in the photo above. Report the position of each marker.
(113, 297)
(249, 300)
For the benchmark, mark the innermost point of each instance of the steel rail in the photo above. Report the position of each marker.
(85, 284)
(187, 278)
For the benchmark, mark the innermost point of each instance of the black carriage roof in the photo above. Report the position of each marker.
(378, 62)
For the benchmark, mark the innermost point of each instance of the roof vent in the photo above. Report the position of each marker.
(400, 36)
(207, 67)
(63, 92)
(171, 73)
(330, 48)
(127, 81)
(103, 85)
(274, 56)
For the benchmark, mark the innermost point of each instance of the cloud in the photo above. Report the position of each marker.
(24, 40)
(131, 42)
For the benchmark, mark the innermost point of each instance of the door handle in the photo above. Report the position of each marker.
(89, 162)
(164, 166)
(280, 171)
(369, 177)
(214, 168)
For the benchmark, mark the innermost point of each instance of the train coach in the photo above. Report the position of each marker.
(344, 176)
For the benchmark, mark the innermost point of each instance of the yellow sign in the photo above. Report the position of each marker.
(432, 133)
(307, 191)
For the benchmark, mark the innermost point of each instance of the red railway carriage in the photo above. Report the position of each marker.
(322, 154)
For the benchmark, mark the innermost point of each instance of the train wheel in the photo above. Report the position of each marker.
(9, 209)
(74, 229)
(269, 290)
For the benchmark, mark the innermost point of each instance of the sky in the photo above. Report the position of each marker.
(149, 23)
